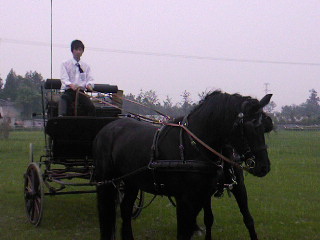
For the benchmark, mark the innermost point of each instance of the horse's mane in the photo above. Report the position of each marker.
(217, 112)
(217, 101)
(217, 106)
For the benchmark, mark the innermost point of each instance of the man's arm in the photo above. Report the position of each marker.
(90, 80)
(65, 80)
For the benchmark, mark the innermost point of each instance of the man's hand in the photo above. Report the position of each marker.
(89, 87)
(73, 86)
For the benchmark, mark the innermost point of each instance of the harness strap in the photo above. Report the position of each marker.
(207, 146)
(154, 155)
(115, 180)
(181, 146)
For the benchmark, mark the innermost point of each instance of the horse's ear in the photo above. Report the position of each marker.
(265, 100)
(252, 106)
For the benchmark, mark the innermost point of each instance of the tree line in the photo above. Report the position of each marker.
(25, 92)
(307, 113)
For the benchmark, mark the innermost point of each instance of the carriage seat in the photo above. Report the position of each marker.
(53, 97)
(55, 84)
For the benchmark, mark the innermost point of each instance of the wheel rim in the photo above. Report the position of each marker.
(33, 194)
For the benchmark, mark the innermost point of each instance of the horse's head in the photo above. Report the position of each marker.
(248, 135)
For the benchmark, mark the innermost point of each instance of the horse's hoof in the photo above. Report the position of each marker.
(198, 232)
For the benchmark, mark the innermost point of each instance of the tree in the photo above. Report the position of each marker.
(35, 79)
(24, 91)
(186, 103)
(167, 104)
(148, 98)
(313, 98)
(29, 98)
(305, 113)
(169, 108)
(312, 107)
(289, 113)
(1, 83)
(11, 85)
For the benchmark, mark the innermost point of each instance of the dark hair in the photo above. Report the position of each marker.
(76, 44)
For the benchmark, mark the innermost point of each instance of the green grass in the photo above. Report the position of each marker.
(285, 203)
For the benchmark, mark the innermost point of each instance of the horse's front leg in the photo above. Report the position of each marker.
(187, 211)
(126, 206)
(208, 217)
(208, 220)
(240, 193)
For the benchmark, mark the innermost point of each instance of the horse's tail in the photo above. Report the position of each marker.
(107, 204)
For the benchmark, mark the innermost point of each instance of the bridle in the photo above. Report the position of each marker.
(247, 155)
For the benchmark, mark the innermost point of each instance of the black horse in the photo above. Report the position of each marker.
(170, 162)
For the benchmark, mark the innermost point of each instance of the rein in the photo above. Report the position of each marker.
(246, 168)
(134, 114)
(207, 146)
(140, 104)
(76, 101)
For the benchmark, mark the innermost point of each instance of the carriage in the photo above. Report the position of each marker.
(67, 162)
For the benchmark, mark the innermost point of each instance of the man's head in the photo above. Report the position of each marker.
(77, 49)
(76, 44)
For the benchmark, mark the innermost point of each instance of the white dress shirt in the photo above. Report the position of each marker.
(70, 74)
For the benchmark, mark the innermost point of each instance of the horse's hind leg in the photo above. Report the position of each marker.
(126, 206)
(106, 195)
(240, 193)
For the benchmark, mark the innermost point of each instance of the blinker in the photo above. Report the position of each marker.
(250, 162)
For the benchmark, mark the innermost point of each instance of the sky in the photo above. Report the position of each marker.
(240, 46)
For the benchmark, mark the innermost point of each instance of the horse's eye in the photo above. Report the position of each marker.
(256, 122)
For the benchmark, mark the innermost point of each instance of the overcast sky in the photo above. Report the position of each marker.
(172, 45)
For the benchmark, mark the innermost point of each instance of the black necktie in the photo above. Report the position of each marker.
(80, 69)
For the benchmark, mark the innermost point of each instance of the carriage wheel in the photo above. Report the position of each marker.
(138, 204)
(33, 193)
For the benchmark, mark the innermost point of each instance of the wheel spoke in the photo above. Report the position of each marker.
(37, 208)
(28, 205)
(29, 187)
(31, 210)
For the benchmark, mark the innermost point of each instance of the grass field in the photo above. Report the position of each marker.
(285, 203)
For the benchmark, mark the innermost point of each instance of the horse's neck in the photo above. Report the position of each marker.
(211, 133)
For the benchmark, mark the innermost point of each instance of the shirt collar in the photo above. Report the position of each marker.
(75, 62)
